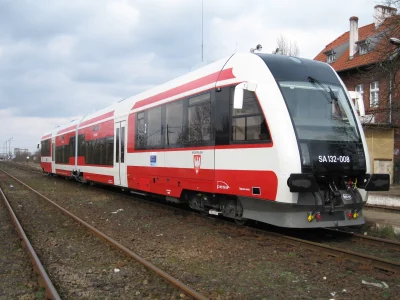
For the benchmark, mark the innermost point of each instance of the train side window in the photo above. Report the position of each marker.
(102, 151)
(174, 123)
(72, 146)
(248, 123)
(45, 149)
(122, 144)
(141, 131)
(154, 127)
(199, 119)
(109, 150)
(88, 152)
(117, 145)
(81, 145)
(66, 154)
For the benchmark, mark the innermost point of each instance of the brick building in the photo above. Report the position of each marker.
(368, 63)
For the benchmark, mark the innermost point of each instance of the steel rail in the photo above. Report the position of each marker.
(379, 263)
(375, 240)
(51, 292)
(186, 289)
(389, 208)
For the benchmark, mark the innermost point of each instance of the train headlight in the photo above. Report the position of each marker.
(305, 155)
(302, 183)
(377, 182)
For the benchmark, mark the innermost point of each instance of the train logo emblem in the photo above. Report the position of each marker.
(197, 162)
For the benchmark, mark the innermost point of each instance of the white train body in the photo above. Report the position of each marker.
(293, 154)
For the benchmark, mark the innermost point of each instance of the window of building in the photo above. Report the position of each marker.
(248, 123)
(199, 119)
(174, 123)
(364, 48)
(374, 94)
(360, 89)
(331, 57)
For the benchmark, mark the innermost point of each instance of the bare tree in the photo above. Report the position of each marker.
(286, 47)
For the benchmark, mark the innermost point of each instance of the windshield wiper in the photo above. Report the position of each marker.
(329, 92)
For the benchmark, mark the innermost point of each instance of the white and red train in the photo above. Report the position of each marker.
(253, 136)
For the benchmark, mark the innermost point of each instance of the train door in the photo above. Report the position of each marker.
(120, 153)
(53, 155)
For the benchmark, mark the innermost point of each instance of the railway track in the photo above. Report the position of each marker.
(384, 208)
(292, 239)
(164, 275)
(44, 280)
(355, 237)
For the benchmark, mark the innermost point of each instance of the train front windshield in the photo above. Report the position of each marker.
(320, 111)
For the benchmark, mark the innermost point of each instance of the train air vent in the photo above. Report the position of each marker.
(256, 191)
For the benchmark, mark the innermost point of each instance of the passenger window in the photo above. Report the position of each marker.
(141, 140)
(248, 123)
(72, 146)
(122, 144)
(200, 119)
(174, 122)
(109, 150)
(82, 143)
(154, 127)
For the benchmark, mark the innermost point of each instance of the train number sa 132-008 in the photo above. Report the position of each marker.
(333, 159)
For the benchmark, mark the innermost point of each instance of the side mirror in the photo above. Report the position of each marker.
(38, 146)
(238, 95)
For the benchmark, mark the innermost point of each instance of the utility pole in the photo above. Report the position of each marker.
(9, 147)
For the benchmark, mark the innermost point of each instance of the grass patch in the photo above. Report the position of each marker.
(40, 294)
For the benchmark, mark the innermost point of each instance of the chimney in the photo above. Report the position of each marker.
(382, 12)
(353, 36)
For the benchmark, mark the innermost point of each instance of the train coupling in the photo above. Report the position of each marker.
(353, 214)
(311, 216)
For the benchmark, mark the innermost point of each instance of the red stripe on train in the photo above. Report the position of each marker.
(96, 119)
(46, 136)
(99, 178)
(67, 129)
(63, 172)
(203, 81)
(171, 181)
(46, 166)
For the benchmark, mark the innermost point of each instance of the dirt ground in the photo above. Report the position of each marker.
(79, 264)
(17, 277)
(216, 259)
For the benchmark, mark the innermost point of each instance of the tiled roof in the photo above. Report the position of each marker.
(343, 62)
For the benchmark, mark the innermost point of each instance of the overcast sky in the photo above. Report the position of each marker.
(61, 59)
